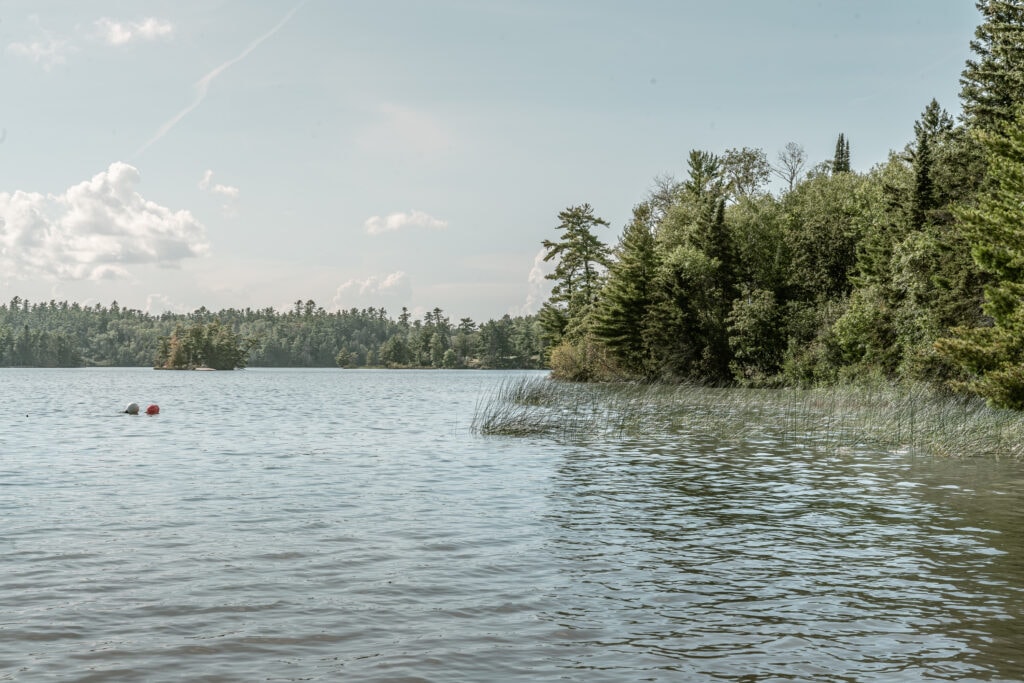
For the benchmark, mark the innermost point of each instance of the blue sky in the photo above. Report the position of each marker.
(172, 154)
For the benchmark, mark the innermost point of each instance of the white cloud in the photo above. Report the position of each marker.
(95, 230)
(376, 225)
(376, 290)
(159, 303)
(538, 286)
(206, 184)
(47, 51)
(116, 33)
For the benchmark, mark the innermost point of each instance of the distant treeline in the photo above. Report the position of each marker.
(63, 334)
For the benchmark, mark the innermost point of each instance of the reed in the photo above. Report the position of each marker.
(900, 418)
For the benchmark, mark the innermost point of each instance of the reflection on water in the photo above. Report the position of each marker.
(328, 525)
(754, 560)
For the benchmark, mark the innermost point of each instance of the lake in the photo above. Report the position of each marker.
(328, 525)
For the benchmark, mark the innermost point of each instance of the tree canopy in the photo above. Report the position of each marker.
(911, 271)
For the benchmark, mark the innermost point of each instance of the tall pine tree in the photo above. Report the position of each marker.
(581, 259)
(994, 355)
(629, 292)
(841, 160)
(992, 84)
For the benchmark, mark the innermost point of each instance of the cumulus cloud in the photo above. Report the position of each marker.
(206, 184)
(95, 230)
(376, 225)
(537, 284)
(376, 290)
(117, 33)
(160, 303)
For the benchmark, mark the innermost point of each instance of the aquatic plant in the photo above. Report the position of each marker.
(900, 418)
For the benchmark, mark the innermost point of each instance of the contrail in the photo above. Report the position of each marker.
(203, 84)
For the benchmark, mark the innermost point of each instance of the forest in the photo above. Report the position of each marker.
(62, 334)
(911, 271)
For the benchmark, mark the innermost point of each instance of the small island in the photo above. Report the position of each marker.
(209, 346)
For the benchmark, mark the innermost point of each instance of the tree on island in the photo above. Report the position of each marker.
(210, 345)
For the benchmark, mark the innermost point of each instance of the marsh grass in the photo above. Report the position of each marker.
(907, 418)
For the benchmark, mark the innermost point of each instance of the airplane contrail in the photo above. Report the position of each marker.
(203, 84)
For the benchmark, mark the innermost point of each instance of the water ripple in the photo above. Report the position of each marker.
(382, 541)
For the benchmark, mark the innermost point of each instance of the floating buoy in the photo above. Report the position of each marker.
(132, 409)
(153, 409)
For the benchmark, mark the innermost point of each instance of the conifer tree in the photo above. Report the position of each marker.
(706, 175)
(581, 260)
(841, 160)
(992, 84)
(994, 355)
(629, 291)
(711, 236)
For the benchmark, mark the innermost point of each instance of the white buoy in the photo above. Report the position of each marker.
(132, 409)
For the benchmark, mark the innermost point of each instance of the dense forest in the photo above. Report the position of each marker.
(62, 334)
(912, 271)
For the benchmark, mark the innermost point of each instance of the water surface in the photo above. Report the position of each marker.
(331, 525)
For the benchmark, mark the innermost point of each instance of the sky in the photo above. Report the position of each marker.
(172, 154)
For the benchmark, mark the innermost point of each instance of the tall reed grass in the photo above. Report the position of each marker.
(912, 418)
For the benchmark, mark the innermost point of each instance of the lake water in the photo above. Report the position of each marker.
(328, 525)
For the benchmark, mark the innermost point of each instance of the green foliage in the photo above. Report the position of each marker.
(813, 356)
(68, 334)
(629, 292)
(684, 335)
(756, 337)
(825, 219)
(746, 172)
(842, 276)
(706, 175)
(584, 360)
(580, 261)
(992, 83)
(841, 159)
(210, 345)
(994, 354)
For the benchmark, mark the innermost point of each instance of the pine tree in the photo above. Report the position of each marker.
(581, 259)
(629, 291)
(994, 355)
(841, 160)
(992, 85)
(706, 175)
(711, 236)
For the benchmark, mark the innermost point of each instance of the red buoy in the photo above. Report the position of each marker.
(153, 409)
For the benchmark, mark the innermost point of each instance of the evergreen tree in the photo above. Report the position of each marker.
(711, 236)
(629, 291)
(992, 84)
(581, 260)
(706, 175)
(841, 160)
(994, 355)
(685, 332)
